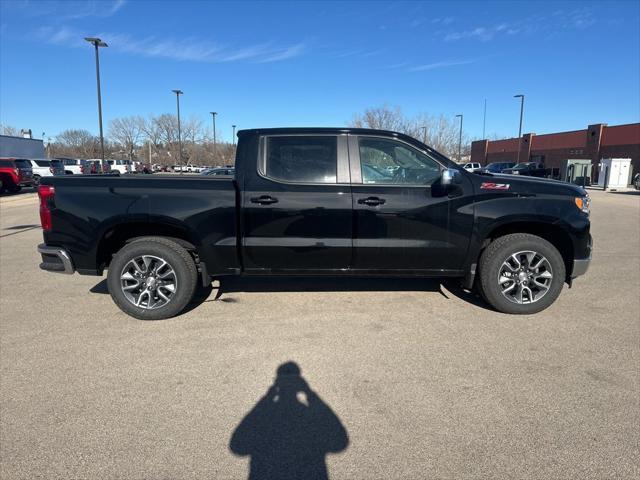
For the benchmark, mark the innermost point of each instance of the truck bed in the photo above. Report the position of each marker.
(93, 210)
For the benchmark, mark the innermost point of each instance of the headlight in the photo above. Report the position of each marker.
(583, 203)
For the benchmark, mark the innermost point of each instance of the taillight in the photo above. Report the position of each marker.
(16, 172)
(45, 193)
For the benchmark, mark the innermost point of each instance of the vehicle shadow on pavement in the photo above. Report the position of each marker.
(230, 285)
(289, 432)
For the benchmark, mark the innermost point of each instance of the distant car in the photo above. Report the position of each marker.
(472, 167)
(95, 166)
(75, 166)
(220, 171)
(15, 173)
(121, 166)
(42, 167)
(497, 167)
(636, 181)
(531, 169)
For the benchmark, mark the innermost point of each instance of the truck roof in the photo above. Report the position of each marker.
(344, 130)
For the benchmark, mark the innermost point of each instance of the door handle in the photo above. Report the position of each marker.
(264, 200)
(372, 201)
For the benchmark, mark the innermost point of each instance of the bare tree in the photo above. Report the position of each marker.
(441, 133)
(126, 132)
(9, 130)
(77, 143)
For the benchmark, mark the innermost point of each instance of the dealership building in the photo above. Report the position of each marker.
(594, 143)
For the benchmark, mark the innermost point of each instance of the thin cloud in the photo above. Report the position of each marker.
(188, 49)
(437, 65)
(557, 21)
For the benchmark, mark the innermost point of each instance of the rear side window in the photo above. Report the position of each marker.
(21, 163)
(42, 163)
(7, 164)
(302, 159)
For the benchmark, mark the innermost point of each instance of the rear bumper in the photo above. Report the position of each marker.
(581, 265)
(55, 259)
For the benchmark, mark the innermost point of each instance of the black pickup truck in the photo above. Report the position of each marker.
(318, 201)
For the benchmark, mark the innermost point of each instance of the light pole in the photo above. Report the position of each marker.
(97, 43)
(213, 115)
(178, 93)
(521, 97)
(460, 140)
(484, 119)
(234, 135)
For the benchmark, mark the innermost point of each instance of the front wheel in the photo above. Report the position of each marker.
(152, 278)
(36, 180)
(521, 273)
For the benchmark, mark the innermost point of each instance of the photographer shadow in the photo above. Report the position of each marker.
(289, 432)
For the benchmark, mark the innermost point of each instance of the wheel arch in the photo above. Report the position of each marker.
(119, 235)
(553, 233)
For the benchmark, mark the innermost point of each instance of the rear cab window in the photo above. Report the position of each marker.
(301, 158)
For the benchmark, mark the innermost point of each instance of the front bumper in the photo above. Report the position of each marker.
(581, 265)
(55, 259)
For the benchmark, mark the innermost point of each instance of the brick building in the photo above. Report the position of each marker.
(595, 142)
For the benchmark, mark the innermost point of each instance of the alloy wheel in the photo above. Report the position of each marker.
(148, 282)
(525, 277)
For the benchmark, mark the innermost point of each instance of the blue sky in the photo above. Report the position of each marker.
(317, 63)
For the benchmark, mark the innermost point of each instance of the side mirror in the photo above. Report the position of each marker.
(450, 177)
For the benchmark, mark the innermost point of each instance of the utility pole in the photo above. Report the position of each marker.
(234, 135)
(424, 134)
(178, 93)
(213, 115)
(521, 97)
(460, 140)
(97, 43)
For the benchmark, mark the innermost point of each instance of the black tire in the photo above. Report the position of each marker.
(14, 188)
(36, 180)
(179, 259)
(498, 252)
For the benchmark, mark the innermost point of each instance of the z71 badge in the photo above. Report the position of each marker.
(494, 186)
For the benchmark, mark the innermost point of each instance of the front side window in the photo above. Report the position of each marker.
(390, 162)
(302, 159)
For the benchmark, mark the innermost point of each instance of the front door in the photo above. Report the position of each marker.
(297, 211)
(402, 220)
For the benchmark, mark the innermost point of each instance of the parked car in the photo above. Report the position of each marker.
(96, 166)
(42, 167)
(497, 167)
(531, 169)
(75, 166)
(472, 167)
(15, 173)
(636, 181)
(219, 171)
(121, 166)
(304, 202)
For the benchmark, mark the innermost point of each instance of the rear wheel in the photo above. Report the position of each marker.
(521, 273)
(36, 180)
(152, 278)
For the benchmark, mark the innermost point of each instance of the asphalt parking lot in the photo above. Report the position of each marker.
(406, 379)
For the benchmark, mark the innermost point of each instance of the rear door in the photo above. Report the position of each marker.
(297, 209)
(402, 221)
